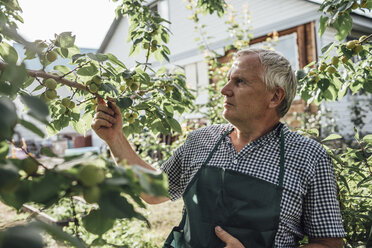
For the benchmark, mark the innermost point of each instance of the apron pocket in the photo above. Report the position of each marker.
(253, 238)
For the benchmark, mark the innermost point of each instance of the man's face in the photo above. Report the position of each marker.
(246, 96)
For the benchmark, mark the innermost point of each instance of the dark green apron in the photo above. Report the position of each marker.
(246, 207)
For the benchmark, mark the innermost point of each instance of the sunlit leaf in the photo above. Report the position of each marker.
(37, 107)
(332, 137)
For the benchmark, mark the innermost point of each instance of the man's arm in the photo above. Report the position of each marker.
(107, 124)
(324, 243)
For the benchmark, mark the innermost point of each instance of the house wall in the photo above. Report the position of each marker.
(266, 16)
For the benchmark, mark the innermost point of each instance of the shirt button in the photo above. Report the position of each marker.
(235, 161)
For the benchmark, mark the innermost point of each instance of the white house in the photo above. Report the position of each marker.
(297, 22)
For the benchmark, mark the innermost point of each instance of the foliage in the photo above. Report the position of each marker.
(346, 67)
(149, 101)
(337, 13)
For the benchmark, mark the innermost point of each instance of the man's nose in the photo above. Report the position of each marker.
(226, 90)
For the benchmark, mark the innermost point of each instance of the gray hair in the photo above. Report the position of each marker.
(277, 72)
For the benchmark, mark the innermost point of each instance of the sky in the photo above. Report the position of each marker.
(89, 20)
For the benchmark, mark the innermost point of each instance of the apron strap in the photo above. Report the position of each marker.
(282, 160)
(282, 153)
(216, 146)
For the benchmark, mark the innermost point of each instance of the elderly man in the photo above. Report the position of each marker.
(250, 183)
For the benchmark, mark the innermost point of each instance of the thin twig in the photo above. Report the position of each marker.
(147, 58)
(78, 67)
(76, 221)
(30, 155)
(364, 156)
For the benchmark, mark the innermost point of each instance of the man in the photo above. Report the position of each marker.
(250, 183)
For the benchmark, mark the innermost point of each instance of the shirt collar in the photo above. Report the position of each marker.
(270, 136)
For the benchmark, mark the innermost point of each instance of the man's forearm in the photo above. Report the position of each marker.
(121, 149)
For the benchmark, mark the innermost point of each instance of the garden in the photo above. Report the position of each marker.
(89, 200)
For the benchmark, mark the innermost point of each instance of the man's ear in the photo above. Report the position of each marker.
(277, 98)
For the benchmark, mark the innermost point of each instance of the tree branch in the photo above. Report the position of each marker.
(43, 74)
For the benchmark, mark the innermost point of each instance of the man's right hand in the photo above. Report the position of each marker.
(107, 122)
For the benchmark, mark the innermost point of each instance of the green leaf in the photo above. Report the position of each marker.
(322, 25)
(367, 138)
(124, 102)
(8, 53)
(18, 197)
(368, 86)
(169, 109)
(46, 189)
(364, 181)
(57, 233)
(115, 206)
(21, 236)
(88, 70)
(174, 125)
(37, 107)
(4, 149)
(12, 78)
(343, 91)
(8, 120)
(96, 222)
(109, 88)
(62, 68)
(134, 50)
(83, 125)
(98, 57)
(312, 131)
(152, 183)
(165, 37)
(300, 74)
(30, 126)
(328, 47)
(323, 84)
(65, 40)
(46, 151)
(330, 94)
(332, 137)
(76, 57)
(64, 52)
(114, 59)
(8, 174)
(344, 181)
(343, 25)
(126, 74)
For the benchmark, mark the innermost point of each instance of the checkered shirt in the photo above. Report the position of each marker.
(309, 204)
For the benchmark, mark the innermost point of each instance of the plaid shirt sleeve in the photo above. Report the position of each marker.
(173, 167)
(322, 217)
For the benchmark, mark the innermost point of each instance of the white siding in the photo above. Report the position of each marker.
(266, 16)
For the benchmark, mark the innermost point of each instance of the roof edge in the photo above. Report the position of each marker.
(109, 34)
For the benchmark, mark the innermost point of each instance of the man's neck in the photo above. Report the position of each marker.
(243, 135)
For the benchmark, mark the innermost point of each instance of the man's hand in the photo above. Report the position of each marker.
(229, 240)
(107, 122)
